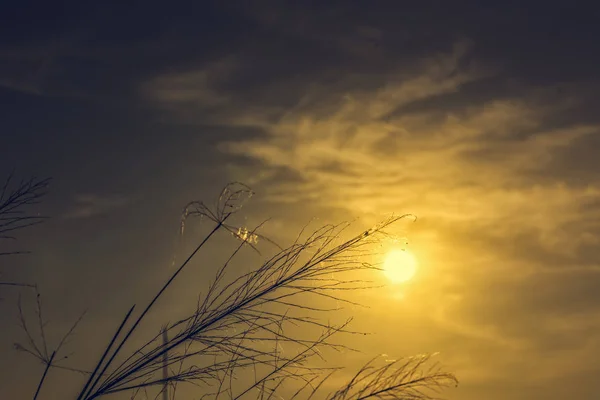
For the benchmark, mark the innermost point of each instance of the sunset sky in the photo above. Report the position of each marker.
(480, 118)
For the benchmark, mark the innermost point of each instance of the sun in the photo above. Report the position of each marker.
(400, 266)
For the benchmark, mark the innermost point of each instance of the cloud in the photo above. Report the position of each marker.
(23, 72)
(32, 67)
(360, 154)
(365, 151)
(505, 234)
(473, 176)
(197, 87)
(91, 205)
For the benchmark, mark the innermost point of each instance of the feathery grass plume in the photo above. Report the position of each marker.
(257, 333)
(259, 324)
(408, 378)
(15, 202)
(37, 343)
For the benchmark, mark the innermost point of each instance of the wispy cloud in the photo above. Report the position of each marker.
(196, 87)
(503, 234)
(90, 205)
(31, 67)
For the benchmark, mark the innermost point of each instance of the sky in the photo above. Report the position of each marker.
(480, 118)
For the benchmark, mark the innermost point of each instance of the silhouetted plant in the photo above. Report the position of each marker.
(239, 327)
(15, 203)
(37, 344)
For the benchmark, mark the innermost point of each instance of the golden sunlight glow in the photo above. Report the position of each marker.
(400, 266)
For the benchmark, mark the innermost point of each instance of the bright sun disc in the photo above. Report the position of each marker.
(400, 266)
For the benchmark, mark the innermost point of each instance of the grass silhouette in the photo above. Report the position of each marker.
(231, 345)
(16, 199)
